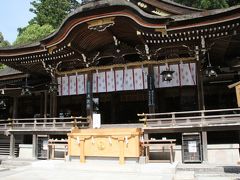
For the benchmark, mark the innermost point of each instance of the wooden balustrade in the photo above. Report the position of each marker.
(44, 123)
(219, 117)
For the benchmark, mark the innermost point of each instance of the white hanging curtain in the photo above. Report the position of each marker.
(127, 79)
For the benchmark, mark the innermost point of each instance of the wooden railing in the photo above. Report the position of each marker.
(219, 117)
(44, 123)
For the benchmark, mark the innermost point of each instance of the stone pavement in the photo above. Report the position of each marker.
(61, 170)
(104, 170)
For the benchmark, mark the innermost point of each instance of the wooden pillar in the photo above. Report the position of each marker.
(12, 146)
(201, 104)
(121, 150)
(15, 108)
(204, 146)
(237, 88)
(151, 90)
(45, 103)
(89, 99)
(200, 90)
(50, 105)
(41, 104)
(54, 104)
(82, 154)
(146, 136)
(239, 143)
(114, 108)
(34, 146)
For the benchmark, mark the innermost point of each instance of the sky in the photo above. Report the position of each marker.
(14, 14)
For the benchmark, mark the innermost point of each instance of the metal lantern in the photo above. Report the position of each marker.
(53, 87)
(167, 75)
(211, 72)
(26, 91)
(3, 104)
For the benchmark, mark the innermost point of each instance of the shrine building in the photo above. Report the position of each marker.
(127, 73)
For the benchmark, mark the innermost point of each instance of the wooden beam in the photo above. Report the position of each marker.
(234, 85)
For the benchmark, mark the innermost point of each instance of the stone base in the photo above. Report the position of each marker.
(26, 151)
(142, 160)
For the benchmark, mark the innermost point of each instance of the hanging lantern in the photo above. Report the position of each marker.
(211, 72)
(167, 75)
(53, 87)
(26, 91)
(3, 104)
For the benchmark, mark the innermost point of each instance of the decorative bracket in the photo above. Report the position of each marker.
(147, 53)
(51, 69)
(90, 60)
(101, 24)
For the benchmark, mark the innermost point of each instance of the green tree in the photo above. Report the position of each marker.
(207, 4)
(190, 3)
(1, 66)
(233, 2)
(33, 33)
(3, 42)
(213, 4)
(52, 11)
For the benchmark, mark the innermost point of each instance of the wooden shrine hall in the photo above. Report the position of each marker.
(156, 61)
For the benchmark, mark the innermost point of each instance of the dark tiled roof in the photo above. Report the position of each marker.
(8, 71)
(21, 46)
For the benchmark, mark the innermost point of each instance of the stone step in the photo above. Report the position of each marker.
(184, 175)
(203, 168)
(214, 176)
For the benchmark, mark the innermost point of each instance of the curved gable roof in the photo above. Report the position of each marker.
(100, 9)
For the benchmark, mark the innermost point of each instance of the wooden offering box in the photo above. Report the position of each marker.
(117, 142)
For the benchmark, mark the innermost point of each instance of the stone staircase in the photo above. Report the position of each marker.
(5, 145)
(5, 149)
(207, 172)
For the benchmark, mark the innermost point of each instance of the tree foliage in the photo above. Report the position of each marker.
(209, 4)
(1, 66)
(213, 4)
(49, 16)
(3, 42)
(33, 33)
(51, 11)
